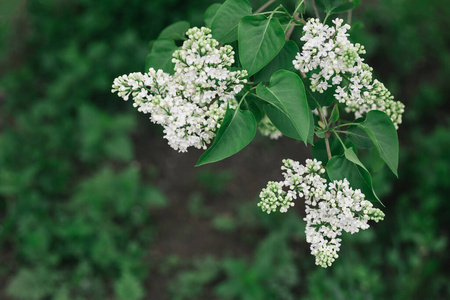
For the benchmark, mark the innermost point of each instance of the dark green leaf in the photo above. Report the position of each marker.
(260, 40)
(252, 103)
(300, 7)
(282, 61)
(289, 112)
(285, 22)
(375, 161)
(335, 6)
(211, 13)
(316, 99)
(281, 121)
(236, 131)
(351, 156)
(161, 56)
(343, 8)
(176, 31)
(380, 129)
(224, 25)
(359, 137)
(340, 167)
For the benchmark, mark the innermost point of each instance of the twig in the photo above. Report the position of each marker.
(291, 29)
(349, 17)
(327, 134)
(327, 144)
(265, 5)
(316, 12)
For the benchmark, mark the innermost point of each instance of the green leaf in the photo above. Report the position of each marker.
(380, 129)
(283, 60)
(211, 13)
(260, 40)
(343, 8)
(348, 166)
(176, 31)
(358, 136)
(252, 103)
(236, 131)
(335, 6)
(281, 121)
(224, 25)
(161, 56)
(285, 22)
(316, 99)
(320, 134)
(375, 161)
(300, 6)
(334, 115)
(289, 110)
(350, 154)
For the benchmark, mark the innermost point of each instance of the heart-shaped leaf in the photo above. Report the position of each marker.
(380, 129)
(253, 104)
(176, 31)
(335, 6)
(161, 56)
(236, 131)
(260, 40)
(224, 25)
(288, 109)
(358, 136)
(316, 99)
(283, 60)
(210, 13)
(349, 167)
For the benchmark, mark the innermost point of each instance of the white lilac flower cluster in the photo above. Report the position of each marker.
(267, 128)
(336, 62)
(190, 104)
(331, 207)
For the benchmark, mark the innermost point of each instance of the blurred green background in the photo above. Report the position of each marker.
(95, 205)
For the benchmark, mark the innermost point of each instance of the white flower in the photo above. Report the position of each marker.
(267, 128)
(191, 104)
(328, 50)
(331, 207)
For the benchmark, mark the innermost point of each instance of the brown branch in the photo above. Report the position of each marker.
(316, 12)
(265, 5)
(349, 15)
(327, 134)
(291, 29)
(327, 144)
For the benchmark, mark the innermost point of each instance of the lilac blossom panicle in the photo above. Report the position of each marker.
(334, 62)
(331, 207)
(191, 104)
